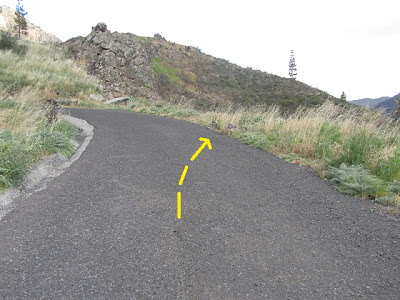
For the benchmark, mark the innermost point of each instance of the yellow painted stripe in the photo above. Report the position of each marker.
(183, 175)
(179, 206)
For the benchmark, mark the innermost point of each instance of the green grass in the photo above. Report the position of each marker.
(27, 81)
(161, 67)
(16, 154)
(29, 139)
(388, 169)
(45, 72)
(19, 152)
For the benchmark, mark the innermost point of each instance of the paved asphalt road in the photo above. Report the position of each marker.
(252, 227)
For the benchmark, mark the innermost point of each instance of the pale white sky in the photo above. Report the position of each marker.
(340, 45)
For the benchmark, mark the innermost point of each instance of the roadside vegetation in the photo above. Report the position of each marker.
(356, 148)
(30, 76)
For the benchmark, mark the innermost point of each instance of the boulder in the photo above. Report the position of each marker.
(97, 97)
(100, 27)
(119, 100)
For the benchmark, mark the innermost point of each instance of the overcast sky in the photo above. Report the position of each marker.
(339, 45)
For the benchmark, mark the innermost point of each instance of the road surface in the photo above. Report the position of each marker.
(252, 226)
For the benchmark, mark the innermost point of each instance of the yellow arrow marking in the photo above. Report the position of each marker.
(206, 143)
(183, 175)
(178, 214)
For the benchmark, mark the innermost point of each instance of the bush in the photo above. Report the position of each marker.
(357, 181)
(9, 42)
(253, 138)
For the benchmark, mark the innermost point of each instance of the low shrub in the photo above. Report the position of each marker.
(9, 42)
(253, 138)
(356, 180)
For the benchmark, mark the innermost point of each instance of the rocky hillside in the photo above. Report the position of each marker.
(390, 105)
(154, 68)
(34, 33)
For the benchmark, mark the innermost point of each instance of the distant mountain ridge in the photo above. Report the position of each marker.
(371, 102)
(153, 68)
(34, 33)
(389, 104)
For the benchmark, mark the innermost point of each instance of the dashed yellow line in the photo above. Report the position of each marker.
(183, 175)
(178, 213)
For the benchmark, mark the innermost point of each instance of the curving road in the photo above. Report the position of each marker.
(252, 227)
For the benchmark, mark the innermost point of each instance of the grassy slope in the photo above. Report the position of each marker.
(27, 81)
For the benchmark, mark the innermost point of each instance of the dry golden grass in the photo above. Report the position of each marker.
(23, 118)
(42, 73)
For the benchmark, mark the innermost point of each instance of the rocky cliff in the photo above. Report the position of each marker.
(154, 68)
(34, 33)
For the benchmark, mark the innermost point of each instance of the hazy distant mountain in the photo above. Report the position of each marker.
(369, 101)
(390, 105)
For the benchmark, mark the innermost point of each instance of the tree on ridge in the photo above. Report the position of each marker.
(292, 66)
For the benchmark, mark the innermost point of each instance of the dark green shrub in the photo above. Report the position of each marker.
(9, 42)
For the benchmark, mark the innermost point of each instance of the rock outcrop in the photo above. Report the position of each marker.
(119, 60)
(34, 33)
